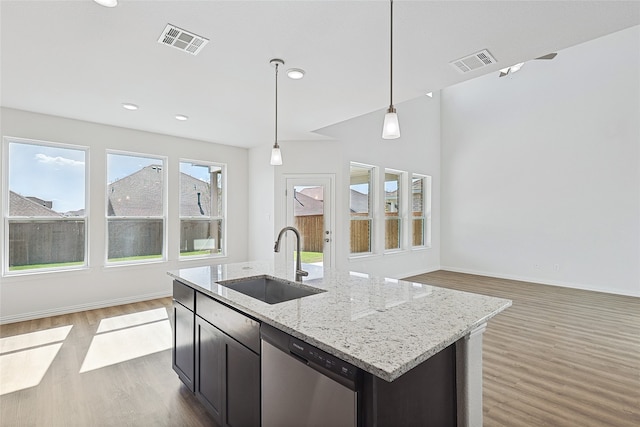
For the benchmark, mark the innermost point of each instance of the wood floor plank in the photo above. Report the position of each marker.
(143, 391)
(558, 356)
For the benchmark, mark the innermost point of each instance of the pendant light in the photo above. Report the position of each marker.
(391, 126)
(276, 155)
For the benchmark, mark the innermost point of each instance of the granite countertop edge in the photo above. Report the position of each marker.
(204, 280)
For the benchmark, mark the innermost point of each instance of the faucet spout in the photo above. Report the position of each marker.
(276, 248)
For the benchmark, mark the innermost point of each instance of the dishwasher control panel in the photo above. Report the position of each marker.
(320, 358)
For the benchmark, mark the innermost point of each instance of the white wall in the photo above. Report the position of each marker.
(358, 139)
(541, 170)
(38, 295)
(261, 204)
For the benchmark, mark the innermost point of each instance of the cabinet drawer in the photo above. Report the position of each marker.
(238, 326)
(184, 295)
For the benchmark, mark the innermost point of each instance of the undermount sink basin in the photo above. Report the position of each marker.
(270, 289)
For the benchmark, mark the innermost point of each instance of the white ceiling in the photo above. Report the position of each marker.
(80, 60)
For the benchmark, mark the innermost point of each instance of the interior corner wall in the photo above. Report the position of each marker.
(541, 170)
(359, 140)
(261, 204)
(30, 296)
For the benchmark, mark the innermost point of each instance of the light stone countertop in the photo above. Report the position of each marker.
(383, 326)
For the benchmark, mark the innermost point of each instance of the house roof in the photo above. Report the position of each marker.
(305, 205)
(359, 202)
(22, 206)
(313, 192)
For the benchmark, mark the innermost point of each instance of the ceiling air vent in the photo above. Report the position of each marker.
(473, 62)
(183, 40)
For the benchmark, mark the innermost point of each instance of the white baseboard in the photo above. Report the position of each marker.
(80, 307)
(537, 280)
(419, 272)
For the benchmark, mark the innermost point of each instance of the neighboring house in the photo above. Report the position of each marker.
(41, 202)
(27, 206)
(359, 202)
(313, 192)
(305, 205)
(391, 201)
(42, 241)
(139, 194)
(138, 198)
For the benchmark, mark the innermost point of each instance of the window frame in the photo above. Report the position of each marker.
(426, 211)
(371, 217)
(164, 217)
(222, 213)
(7, 219)
(401, 216)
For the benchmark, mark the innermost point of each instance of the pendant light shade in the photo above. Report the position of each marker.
(391, 125)
(276, 155)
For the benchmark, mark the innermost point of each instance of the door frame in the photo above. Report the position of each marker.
(329, 211)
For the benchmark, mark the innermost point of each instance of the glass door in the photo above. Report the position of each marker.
(309, 209)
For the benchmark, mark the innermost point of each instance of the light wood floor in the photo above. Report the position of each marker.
(558, 357)
(142, 391)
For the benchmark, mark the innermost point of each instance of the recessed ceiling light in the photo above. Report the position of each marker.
(181, 117)
(129, 106)
(107, 3)
(430, 94)
(295, 73)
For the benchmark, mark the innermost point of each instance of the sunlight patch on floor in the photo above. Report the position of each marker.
(133, 319)
(127, 337)
(25, 358)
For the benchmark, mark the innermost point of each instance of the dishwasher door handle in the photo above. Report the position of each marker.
(299, 358)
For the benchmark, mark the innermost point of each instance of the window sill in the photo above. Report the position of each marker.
(39, 272)
(109, 265)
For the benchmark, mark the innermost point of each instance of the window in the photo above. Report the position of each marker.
(201, 209)
(135, 208)
(361, 208)
(392, 209)
(421, 210)
(45, 206)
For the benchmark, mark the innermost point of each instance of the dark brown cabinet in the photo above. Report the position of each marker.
(209, 367)
(183, 354)
(217, 355)
(227, 377)
(241, 385)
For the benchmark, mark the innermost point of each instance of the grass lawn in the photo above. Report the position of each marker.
(53, 265)
(311, 257)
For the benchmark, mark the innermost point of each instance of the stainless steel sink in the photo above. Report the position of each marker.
(270, 289)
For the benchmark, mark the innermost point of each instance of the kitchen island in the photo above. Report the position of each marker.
(388, 328)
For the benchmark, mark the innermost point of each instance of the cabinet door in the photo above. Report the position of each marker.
(183, 344)
(242, 385)
(209, 367)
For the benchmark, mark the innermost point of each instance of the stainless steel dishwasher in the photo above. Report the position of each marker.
(303, 386)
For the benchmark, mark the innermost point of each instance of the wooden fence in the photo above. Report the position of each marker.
(361, 230)
(311, 228)
(46, 242)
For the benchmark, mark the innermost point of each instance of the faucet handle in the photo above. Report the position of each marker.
(302, 273)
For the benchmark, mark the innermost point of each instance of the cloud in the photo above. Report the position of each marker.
(60, 161)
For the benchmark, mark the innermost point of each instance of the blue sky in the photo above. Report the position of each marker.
(58, 174)
(50, 173)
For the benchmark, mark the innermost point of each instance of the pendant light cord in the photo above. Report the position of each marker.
(391, 57)
(276, 136)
